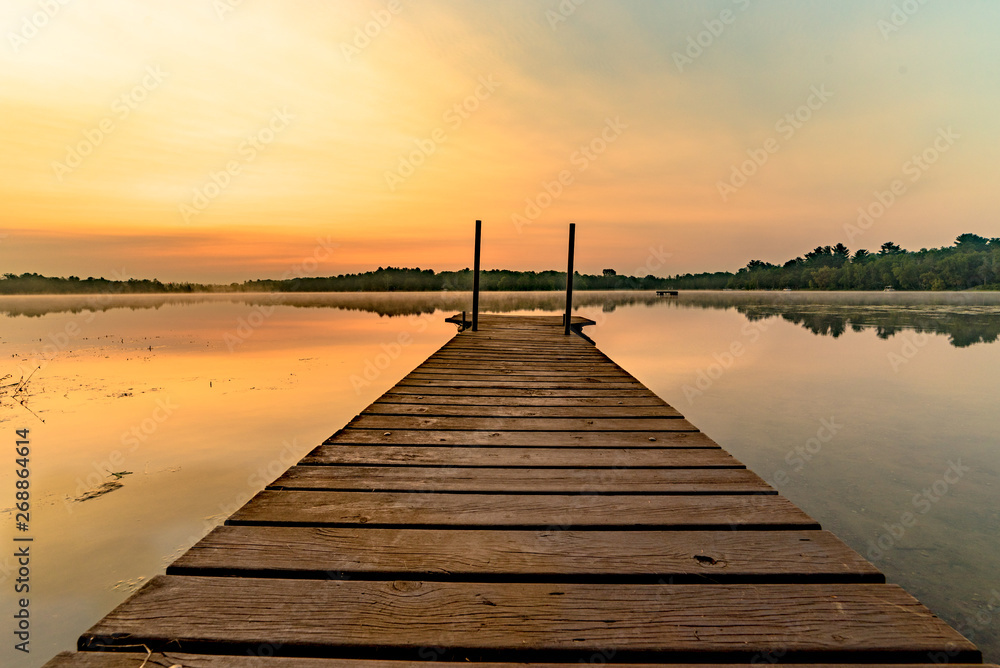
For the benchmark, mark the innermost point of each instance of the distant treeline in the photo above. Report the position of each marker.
(973, 262)
(383, 279)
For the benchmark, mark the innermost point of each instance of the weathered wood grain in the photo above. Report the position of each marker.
(539, 439)
(376, 455)
(564, 621)
(577, 383)
(590, 424)
(445, 361)
(522, 481)
(537, 511)
(617, 393)
(806, 557)
(166, 659)
(392, 397)
(553, 369)
(497, 411)
(525, 357)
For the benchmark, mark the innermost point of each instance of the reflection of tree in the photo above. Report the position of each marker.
(965, 318)
(383, 303)
(962, 328)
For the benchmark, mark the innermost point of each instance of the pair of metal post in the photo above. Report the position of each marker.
(569, 278)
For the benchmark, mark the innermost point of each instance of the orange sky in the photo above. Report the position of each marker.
(219, 140)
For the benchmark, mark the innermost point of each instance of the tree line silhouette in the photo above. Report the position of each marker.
(383, 279)
(972, 262)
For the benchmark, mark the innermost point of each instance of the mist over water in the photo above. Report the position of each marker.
(874, 412)
(966, 317)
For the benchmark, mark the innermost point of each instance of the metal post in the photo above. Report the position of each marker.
(475, 279)
(569, 276)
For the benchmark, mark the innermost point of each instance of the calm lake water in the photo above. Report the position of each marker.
(874, 412)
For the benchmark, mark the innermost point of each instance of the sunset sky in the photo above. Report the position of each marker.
(222, 140)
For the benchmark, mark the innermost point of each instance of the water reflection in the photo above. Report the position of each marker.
(966, 318)
(962, 329)
(202, 405)
(388, 304)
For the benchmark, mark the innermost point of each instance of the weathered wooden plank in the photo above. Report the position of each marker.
(528, 621)
(506, 457)
(469, 359)
(522, 481)
(484, 368)
(617, 393)
(471, 356)
(539, 337)
(536, 511)
(525, 343)
(475, 373)
(554, 369)
(592, 424)
(488, 379)
(524, 337)
(539, 439)
(165, 659)
(507, 328)
(512, 325)
(474, 555)
(524, 357)
(436, 410)
(464, 400)
(577, 383)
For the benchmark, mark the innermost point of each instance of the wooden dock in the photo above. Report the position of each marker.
(518, 497)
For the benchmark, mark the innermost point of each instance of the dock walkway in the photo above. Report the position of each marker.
(518, 497)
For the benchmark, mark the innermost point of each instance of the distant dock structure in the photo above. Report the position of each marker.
(666, 293)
